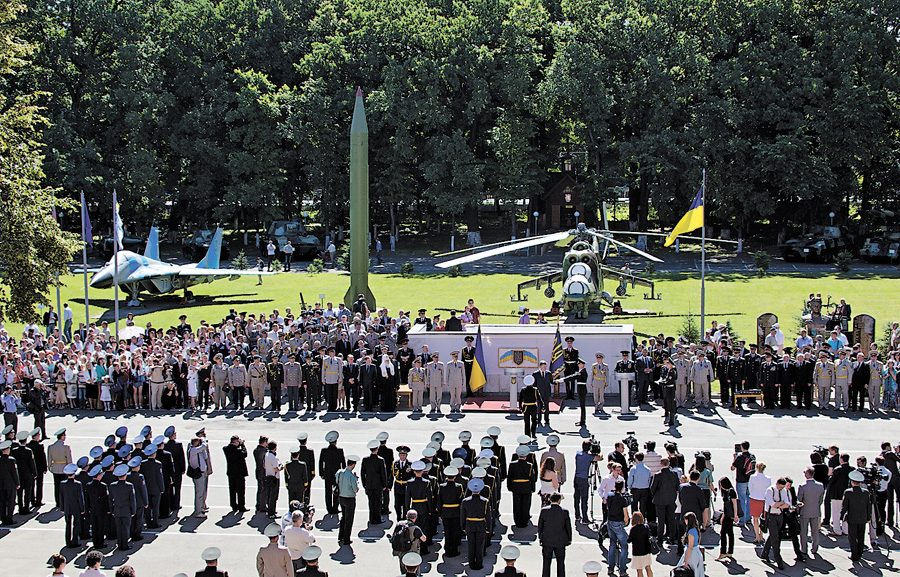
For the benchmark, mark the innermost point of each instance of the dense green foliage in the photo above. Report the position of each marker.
(33, 250)
(239, 110)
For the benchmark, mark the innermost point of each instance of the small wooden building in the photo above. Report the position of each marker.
(559, 202)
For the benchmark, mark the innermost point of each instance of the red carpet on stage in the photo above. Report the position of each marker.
(498, 405)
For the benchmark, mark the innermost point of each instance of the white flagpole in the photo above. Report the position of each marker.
(116, 260)
(58, 297)
(703, 260)
(87, 308)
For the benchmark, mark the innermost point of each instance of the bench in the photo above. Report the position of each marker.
(406, 392)
(749, 394)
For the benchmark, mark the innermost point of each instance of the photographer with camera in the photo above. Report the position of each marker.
(236, 471)
(298, 536)
(584, 461)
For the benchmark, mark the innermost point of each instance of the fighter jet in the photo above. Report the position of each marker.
(136, 273)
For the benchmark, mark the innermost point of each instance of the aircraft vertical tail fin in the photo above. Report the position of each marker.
(211, 260)
(152, 249)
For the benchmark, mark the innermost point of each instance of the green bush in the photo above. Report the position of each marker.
(761, 259)
(650, 268)
(843, 260)
(406, 268)
(316, 266)
(690, 328)
(277, 266)
(343, 255)
(240, 261)
(455, 270)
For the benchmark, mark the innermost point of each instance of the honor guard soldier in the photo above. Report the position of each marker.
(475, 515)
(449, 497)
(768, 378)
(509, 554)
(434, 379)
(599, 381)
(387, 455)
(468, 359)
(498, 451)
(456, 378)
(27, 472)
(528, 404)
(405, 358)
(559, 459)
(419, 497)
(9, 484)
(211, 556)
(275, 376)
(311, 556)
(59, 455)
(570, 366)
(332, 378)
(417, 386)
(308, 457)
(71, 494)
(331, 460)
(520, 483)
(824, 379)
(464, 438)
(401, 473)
(374, 481)
(296, 477)
(40, 463)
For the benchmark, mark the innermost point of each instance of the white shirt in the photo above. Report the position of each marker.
(67, 316)
(272, 464)
(297, 539)
(757, 486)
(92, 573)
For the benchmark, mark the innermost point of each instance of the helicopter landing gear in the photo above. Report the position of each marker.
(549, 292)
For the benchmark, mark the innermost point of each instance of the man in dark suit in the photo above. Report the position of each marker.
(351, 383)
(856, 512)
(859, 383)
(834, 492)
(803, 386)
(643, 372)
(259, 456)
(692, 497)
(787, 376)
(367, 373)
(555, 534)
(663, 491)
(236, 471)
(543, 380)
(153, 477)
(374, 481)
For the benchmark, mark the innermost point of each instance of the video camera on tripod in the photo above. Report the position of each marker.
(595, 448)
(631, 443)
(873, 476)
(822, 452)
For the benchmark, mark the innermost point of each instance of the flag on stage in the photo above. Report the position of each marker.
(478, 378)
(556, 358)
(87, 234)
(692, 219)
(120, 229)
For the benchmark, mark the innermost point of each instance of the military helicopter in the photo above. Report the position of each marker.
(582, 269)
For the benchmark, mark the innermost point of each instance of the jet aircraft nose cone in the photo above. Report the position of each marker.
(102, 278)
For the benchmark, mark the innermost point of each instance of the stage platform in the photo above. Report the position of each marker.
(499, 405)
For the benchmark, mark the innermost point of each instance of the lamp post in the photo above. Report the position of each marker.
(577, 214)
(535, 215)
(831, 216)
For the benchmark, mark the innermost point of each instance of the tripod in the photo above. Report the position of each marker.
(593, 476)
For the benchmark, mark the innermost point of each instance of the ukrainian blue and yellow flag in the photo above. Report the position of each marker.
(478, 378)
(692, 219)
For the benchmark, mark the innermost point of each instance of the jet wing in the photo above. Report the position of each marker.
(194, 271)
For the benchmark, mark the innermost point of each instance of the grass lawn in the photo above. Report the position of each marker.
(733, 297)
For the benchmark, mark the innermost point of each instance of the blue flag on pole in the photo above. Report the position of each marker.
(556, 358)
(87, 234)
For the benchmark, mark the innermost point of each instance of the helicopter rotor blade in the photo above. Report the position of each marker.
(534, 241)
(626, 246)
(482, 247)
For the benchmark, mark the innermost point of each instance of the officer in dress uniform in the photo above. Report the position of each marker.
(768, 378)
(141, 498)
(521, 483)
(401, 473)
(824, 379)
(296, 477)
(331, 460)
(509, 554)
(374, 480)
(71, 495)
(311, 557)
(405, 358)
(468, 359)
(701, 377)
(419, 496)
(27, 472)
(449, 497)
(529, 399)
(308, 457)
(97, 497)
(570, 366)
(434, 379)
(387, 455)
(40, 464)
(151, 470)
(417, 385)
(599, 381)
(176, 449)
(211, 556)
(843, 375)
(469, 457)
(559, 460)
(682, 382)
(455, 379)
(59, 454)
(9, 483)
(332, 378)
(475, 515)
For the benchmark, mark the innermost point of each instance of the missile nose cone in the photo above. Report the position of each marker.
(359, 125)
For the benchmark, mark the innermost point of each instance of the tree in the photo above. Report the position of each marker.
(33, 249)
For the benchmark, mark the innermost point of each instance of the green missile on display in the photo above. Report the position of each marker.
(359, 206)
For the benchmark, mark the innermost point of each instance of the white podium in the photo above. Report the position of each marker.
(625, 380)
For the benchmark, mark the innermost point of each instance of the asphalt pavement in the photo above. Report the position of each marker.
(783, 440)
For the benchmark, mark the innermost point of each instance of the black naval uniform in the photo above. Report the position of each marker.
(521, 484)
(275, 376)
(401, 474)
(9, 480)
(735, 370)
(579, 378)
(71, 496)
(449, 498)
(387, 455)
(296, 479)
(331, 460)
(97, 494)
(27, 475)
(141, 502)
(529, 399)
(419, 496)
(668, 376)
(467, 355)
(570, 367)
(308, 457)
(475, 515)
(176, 449)
(374, 481)
(768, 378)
